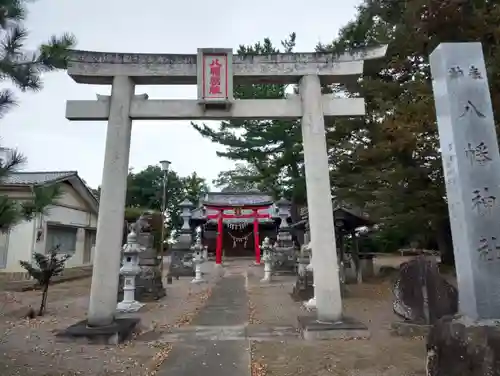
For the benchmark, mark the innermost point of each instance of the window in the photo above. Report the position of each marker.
(64, 237)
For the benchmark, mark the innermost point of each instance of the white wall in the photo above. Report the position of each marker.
(71, 210)
(20, 245)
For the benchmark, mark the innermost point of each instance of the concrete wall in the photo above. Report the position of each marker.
(20, 245)
(70, 210)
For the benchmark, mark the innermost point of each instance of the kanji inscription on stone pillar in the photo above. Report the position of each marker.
(215, 76)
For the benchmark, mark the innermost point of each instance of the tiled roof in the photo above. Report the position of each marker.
(304, 212)
(36, 178)
(236, 198)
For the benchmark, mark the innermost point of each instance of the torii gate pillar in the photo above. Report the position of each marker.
(106, 263)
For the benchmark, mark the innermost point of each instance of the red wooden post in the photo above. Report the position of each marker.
(220, 229)
(256, 236)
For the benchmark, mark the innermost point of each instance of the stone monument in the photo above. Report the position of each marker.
(267, 257)
(213, 70)
(181, 254)
(421, 297)
(471, 164)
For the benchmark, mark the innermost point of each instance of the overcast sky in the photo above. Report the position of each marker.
(52, 143)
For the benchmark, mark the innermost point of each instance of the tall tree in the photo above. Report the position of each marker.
(14, 211)
(242, 178)
(272, 148)
(23, 69)
(145, 189)
(193, 187)
(390, 161)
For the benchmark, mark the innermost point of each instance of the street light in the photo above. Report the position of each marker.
(164, 167)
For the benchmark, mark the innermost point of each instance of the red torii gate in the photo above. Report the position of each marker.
(220, 215)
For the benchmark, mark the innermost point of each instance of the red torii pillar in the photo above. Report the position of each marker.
(256, 239)
(220, 227)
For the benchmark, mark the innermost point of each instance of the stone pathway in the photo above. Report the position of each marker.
(218, 341)
(196, 352)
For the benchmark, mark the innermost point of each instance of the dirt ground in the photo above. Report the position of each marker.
(29, 347)
(371, 303)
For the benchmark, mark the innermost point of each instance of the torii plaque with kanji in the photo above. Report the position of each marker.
(215, 76)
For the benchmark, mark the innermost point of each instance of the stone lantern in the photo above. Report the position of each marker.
(129, 271)
(180, 263)
(284, 206)
(186, 207)
(311, 303)
(304, 259)
(267, 257)
(198, 259)
(284, 256)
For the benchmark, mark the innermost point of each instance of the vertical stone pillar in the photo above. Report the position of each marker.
(256, 237)
(471, 164)
(319, 202)
(220, 230)
(106, 268)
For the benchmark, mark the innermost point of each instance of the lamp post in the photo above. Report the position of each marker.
(164, 167)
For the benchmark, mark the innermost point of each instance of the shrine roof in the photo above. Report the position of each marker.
(354, 217)
(237, 199)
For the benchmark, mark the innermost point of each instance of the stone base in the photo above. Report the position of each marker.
(310, 305)
(119, 331)
(219, 270)
(302, 292)
(459, 346)
(180, 264)
(129, 307)
(198, 280)
(181, 271)
(148, 287)
(346, 328)
(409, 329)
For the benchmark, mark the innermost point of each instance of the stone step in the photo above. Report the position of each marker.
(229, 333)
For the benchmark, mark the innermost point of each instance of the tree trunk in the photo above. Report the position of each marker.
(445, 243)
(44, 300)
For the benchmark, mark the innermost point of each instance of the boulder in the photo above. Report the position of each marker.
(421, 294)
(459, 346)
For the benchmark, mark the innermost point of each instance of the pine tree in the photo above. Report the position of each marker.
(24, 69)
(389, 162)
(271, 148)
(43, 269)
(242, 178)
(14, 211)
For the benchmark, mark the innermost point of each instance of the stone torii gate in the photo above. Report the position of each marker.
(214, 70)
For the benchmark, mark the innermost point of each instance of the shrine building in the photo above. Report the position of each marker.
(236, 223)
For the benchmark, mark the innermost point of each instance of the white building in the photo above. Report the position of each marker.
(71, 223)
